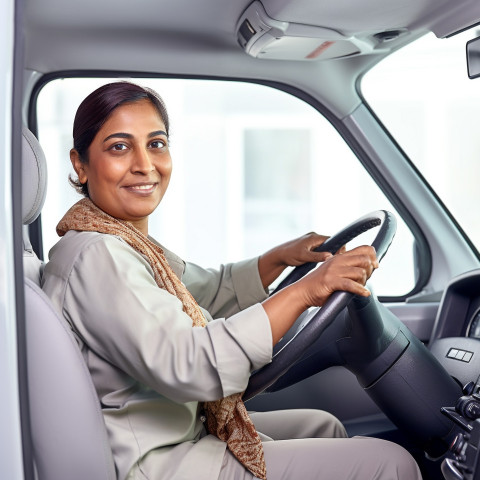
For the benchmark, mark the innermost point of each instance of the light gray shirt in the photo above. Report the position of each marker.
(150, 367)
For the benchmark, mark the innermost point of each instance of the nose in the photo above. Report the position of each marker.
(141, 162)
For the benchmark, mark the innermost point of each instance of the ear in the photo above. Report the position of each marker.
(78, 166)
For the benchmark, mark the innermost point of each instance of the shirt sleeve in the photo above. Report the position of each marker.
(118, 310)
(228, 290)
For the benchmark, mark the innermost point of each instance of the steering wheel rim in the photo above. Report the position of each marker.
(309, 333)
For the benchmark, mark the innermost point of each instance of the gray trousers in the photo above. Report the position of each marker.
(312, 444)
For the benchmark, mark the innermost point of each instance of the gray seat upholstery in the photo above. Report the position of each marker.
(68, 431)
(34, 189)
(69, 437)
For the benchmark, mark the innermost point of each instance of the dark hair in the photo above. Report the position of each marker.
(95, 110)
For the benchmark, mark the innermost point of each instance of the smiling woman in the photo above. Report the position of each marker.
(124, 166)
(133, 304)
(128, 171)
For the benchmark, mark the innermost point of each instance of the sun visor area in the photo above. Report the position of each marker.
(264, 37)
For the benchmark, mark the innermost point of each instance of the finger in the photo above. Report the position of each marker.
(353, 260)
(319, 256)
(314, 240)
(363, 250)
(351, 286)
(357, 274)
(367, 265)
(360, 272)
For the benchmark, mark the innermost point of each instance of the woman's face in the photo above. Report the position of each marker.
(129, 164)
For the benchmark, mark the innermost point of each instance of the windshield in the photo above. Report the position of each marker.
(424, 97)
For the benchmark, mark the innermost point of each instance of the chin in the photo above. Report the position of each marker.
(138, 213)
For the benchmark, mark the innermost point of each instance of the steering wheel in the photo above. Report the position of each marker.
(391, 364)
(311, 331)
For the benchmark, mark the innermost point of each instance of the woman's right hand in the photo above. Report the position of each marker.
(346, 271)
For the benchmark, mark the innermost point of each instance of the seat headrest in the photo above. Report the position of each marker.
(34, 177)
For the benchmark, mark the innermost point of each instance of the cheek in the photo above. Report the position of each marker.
(165, 168)
(108, 172)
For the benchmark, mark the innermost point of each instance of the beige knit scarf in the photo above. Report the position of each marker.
(227, 418)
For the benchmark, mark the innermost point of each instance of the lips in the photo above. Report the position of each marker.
(142, 188)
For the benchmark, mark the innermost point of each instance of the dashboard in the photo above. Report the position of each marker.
(455, 340)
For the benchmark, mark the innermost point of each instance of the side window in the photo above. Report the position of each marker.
(253, 167)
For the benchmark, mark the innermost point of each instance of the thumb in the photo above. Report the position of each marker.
(321, 256)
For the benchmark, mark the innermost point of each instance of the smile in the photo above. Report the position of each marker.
(144, 189)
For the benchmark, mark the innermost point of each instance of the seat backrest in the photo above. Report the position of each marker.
(69, 437)
(68, 431)
(34, 189)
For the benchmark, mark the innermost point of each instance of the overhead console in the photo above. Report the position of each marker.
(262, 36)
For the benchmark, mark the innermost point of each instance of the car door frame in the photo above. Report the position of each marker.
(16, 459)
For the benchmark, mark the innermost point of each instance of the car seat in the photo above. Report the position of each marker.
(69, 436)
(34, 189)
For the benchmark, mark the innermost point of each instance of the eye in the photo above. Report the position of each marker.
(118, 147)
(158, 144)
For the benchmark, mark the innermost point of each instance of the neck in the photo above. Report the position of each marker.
(141, 225)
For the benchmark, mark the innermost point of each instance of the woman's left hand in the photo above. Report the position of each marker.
(293, 253)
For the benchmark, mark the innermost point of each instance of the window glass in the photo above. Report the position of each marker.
(253, 167)
(424, 97)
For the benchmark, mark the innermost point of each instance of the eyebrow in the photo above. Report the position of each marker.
(129, 135)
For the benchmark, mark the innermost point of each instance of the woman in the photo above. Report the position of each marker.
(169, 378)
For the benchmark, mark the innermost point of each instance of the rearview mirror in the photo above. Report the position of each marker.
(473, 58)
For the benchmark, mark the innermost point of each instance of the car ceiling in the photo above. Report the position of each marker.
(188, 37)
